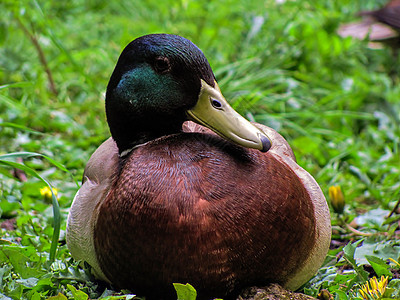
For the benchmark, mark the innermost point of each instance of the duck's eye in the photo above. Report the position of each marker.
(215, 103)
(162, 65)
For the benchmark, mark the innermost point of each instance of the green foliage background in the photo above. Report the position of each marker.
(281, 64)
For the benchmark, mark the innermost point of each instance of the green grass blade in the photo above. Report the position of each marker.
(56, 207)
(20, 127)
(34, 154)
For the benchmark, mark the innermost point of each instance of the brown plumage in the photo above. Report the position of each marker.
(166, 200)
(202, 228)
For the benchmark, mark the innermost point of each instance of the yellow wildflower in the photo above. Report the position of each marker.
(374, 289)
(46, 193)
(325, 295)
(337, 198)
(394, 261)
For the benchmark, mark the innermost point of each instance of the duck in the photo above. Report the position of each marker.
(186, 190)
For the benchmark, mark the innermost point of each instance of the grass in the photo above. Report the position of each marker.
(283, 65)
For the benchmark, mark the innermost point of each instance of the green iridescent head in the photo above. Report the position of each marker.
(159, 82)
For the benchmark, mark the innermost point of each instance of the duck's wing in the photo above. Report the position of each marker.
(282, 151)
(97, 179)
(279, 145)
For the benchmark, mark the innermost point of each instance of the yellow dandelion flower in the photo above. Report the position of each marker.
(325, 295)
(46, 193)
(374, 289)
(337, 198)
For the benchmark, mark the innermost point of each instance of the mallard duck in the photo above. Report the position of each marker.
(187, 190)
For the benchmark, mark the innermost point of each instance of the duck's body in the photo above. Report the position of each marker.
(192, 207)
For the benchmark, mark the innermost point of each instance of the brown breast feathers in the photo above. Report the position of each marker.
(194, 208)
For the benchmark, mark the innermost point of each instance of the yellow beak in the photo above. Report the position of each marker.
(214, 112)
